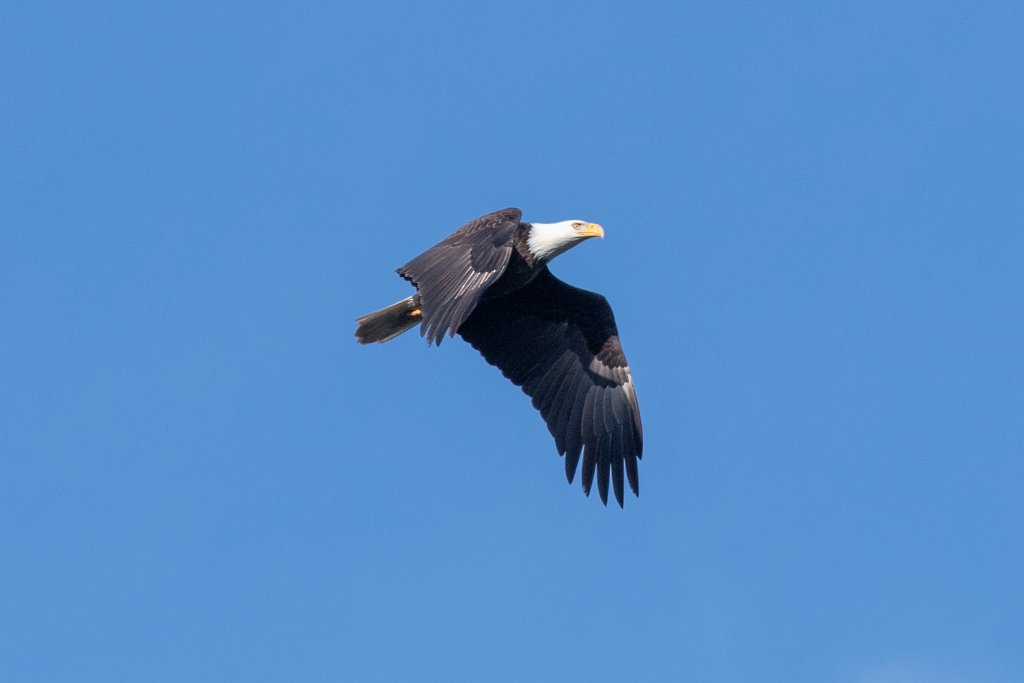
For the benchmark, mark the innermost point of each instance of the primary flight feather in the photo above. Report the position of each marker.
(489, 282)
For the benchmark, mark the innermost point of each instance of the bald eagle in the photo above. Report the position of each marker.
(489, 282)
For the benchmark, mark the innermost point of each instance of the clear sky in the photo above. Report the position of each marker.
(815, 253)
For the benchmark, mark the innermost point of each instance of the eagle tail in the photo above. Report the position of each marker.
(388, 323)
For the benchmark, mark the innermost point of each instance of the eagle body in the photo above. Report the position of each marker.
(489, 282)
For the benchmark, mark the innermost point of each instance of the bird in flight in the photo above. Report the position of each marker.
(489, 282)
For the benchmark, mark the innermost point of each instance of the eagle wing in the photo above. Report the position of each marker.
(560, 344)
(452, 275)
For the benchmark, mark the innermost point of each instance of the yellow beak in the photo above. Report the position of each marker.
(592, 230)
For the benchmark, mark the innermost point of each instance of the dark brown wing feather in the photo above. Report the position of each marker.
(560, 344)
(452, 275)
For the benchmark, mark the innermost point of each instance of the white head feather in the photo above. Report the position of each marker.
(548, 240)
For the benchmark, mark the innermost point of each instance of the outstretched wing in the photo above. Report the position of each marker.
(560, 344)
(453, 274)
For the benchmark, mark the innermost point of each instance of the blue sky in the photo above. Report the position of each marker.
(814, 251)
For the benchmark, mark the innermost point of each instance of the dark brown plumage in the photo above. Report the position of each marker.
(489, 282)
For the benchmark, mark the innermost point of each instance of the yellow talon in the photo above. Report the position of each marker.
(416, 312)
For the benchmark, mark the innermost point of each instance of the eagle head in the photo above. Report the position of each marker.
(548, 240)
